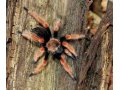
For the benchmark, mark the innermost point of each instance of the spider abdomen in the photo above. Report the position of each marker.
(42, 32)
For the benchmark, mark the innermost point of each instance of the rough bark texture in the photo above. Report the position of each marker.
(95, 60)
(96, 70)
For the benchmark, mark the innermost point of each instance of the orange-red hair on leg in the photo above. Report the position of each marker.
(66, 66)
(38, 54)
(36, 38)
(68, 53)
(74, 36)
(32, 37)
(69, 47)
(39, 68)
(56, 27)
(37, 18)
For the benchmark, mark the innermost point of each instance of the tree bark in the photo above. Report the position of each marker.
(95, 59)
(96, 69)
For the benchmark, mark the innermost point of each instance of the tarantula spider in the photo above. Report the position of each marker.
(58, 47)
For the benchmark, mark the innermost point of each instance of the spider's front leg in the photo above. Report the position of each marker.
(56, 28)
(41, 66)
(37, 18)
(67, 67)
(38, 54)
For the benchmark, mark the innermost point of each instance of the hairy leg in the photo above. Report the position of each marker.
(38, 54)
(56, 27)
(66, 66)
(74, 36)
(69, 47)
(68, 53)
(32, 37)
(37, 18)
(41, 66)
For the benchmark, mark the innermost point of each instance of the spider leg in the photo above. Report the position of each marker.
(56, 27)
(73, 37)
(37, 18)
(68, 53)
(38, 54)
(41, 66)
(66, 66)
(69, 47)
(32, 37)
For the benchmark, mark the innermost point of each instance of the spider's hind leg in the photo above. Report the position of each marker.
(38, 54)
(75, 59)
(67, 67)
(41, 66)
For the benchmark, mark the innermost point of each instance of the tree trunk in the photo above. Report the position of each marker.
(95, 59)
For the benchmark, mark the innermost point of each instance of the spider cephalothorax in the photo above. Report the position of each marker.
(57, 46)
(53, 45)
